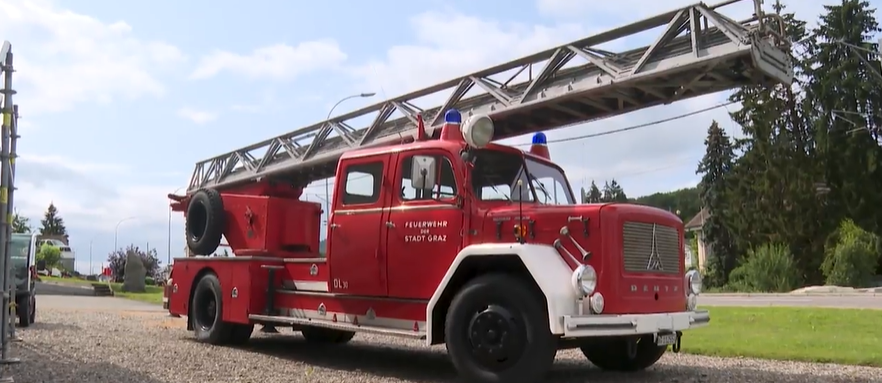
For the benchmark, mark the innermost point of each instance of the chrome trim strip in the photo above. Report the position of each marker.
(396, 208)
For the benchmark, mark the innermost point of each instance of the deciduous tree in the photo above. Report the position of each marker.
(117, 261)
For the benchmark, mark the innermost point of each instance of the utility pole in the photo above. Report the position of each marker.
(6, 191)
(13, 155)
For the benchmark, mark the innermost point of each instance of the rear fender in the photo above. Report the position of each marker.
(544, 264)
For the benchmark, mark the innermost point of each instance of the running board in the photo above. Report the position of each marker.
(421, 335)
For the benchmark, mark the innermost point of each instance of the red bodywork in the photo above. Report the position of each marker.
(374, 266)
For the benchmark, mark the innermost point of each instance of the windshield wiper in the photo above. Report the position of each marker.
(499, 192)
(541, 187)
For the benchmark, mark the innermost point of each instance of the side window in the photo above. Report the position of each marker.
(363, 183)
(445, 184)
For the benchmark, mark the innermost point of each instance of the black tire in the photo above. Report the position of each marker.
(326, 335)
(33, 316)
(613, 355)
(207, 312)
(518, 322)
(241, 333)
(24, 312)
(205, 221)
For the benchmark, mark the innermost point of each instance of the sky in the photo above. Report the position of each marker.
(120, 99)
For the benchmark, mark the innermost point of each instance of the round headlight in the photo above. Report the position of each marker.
(693, 280)
(597, 303)
(584, 280)
(478, 131)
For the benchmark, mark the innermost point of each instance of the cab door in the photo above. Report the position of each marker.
(424, 229)
(357, 248)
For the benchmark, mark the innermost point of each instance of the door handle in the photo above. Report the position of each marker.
(390, 224)
(334, 226)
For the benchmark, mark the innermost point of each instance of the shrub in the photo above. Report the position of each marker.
(49, 255)
(768, 268)
(851, 256)
(149, 281)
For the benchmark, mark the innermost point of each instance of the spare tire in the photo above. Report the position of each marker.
(206, 220)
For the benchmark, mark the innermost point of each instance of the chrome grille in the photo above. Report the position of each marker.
(637, 239)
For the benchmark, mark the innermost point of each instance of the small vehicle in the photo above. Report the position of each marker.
(22, 249)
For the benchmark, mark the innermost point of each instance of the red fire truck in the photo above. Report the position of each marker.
(438, 234)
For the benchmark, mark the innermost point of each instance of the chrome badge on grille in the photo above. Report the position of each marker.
(654, 257)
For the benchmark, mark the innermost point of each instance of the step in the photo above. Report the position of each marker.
(337, 326)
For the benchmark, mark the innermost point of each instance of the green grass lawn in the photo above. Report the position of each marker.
(787, 333)
(152, 295)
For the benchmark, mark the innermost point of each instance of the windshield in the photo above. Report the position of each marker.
(550, 184)
(496, 174)
(19, 251)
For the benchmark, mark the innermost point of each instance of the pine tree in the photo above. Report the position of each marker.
(593, 195)
(848, 97)
(52, 223)
(20, 223)
(606, 193)
(715, 169)
(617, 194)
(773, 182)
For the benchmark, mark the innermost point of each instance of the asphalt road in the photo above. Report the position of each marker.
(56, 289)
(860, 301)
(56, 293)
(106, 304)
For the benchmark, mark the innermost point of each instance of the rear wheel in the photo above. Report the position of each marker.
(624, 354)
(24, 311)
(326, 335)
(207, 309)
(497, 331)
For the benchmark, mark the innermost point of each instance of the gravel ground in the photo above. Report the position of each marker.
(141, 345)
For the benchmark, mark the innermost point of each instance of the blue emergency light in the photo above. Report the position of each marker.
(452, 117)
(540, 139)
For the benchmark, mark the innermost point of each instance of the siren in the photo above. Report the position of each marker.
(450, 131)
(540, 146)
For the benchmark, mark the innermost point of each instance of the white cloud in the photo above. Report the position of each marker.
(64, 58)
(278, 61)
(197, 116)
(454, 45)
(92, 204)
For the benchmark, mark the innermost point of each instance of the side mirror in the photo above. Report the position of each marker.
(422, 172)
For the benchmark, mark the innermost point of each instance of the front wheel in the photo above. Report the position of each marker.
(497, 331)
(25, 306)
(624, 354)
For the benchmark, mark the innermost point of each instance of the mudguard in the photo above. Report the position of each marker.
(546, 266)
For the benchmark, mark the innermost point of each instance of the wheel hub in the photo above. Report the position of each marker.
(496, 337)
(207, 314)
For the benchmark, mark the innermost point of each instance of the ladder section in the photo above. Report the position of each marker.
(698, 51)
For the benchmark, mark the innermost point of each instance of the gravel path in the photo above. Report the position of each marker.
(139, 344)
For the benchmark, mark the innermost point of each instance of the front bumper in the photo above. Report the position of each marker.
(617, 325)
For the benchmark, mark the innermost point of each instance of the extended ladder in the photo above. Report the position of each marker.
(699, 52)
